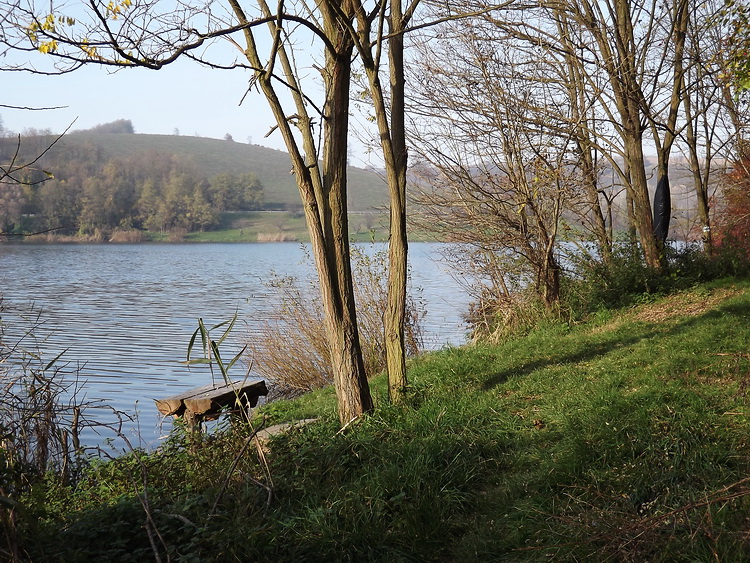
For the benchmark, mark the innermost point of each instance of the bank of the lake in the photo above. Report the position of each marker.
(623, 438)
(244, 226)
(123, 314)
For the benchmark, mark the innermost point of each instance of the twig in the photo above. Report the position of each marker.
(266, 470)
(150, 526)
(44, 232)
(151, 539)
(639, 528)
(345, 426)
(179, 517)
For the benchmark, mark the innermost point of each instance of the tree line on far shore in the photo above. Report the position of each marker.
(80, 190)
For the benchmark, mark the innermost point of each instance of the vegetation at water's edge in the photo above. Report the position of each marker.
(621, 438)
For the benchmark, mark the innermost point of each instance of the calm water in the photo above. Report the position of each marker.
(124, 314)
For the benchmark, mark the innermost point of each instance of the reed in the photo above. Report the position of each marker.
(291, 349)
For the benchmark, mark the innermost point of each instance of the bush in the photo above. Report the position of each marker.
(592, 284)
(292, 351)
(733, 220)
(626, 280)
(497, 317)
(127, 236)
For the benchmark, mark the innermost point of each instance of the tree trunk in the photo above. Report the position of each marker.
(638, 190)
(393, 142)
(324, 200)
(662, 196)
(662, 205)
(398, 245)
(350, 379)
(618, 49)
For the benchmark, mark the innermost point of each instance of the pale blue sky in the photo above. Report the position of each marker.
(183, 96)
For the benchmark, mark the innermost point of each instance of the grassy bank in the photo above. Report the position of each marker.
(624, 438)
(282, 226)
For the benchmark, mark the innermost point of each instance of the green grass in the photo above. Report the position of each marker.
(624, 438)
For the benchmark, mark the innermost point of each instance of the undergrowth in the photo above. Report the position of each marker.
(620, 439)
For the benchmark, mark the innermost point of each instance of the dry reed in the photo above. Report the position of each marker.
(291, 350)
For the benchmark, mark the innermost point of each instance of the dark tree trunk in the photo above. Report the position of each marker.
(662, 208)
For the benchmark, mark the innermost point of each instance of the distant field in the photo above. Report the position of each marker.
(281, 226)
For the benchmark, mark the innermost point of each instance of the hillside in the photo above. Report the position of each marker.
(213, 156)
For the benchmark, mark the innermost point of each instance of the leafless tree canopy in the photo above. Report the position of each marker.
(536, 120)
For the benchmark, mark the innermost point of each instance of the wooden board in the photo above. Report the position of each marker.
(212, 398)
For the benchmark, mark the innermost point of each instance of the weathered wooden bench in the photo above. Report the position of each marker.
(207, 403)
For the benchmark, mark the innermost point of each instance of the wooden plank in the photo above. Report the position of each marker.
(174, 405)
(222, 395)
(212, 401)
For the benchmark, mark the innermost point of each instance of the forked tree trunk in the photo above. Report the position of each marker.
(323, 194)
(618, 49)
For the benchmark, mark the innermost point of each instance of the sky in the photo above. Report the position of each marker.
(183, 97)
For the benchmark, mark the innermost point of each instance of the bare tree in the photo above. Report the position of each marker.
(494, 177)
(314, 125)
(715, 116)
(624, 77)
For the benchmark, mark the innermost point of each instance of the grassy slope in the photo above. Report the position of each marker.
(213, 156)
(265, 226)
(622, 439)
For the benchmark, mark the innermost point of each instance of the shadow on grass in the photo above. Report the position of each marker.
(589, 350)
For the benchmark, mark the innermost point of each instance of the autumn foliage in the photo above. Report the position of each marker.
(92, 193)
(734, 220)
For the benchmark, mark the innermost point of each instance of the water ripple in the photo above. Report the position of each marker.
(126, 312)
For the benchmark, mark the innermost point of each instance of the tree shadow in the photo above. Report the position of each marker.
(589, 351)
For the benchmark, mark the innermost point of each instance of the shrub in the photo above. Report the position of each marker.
(626, 280)
(496, 317)
(127, 236)
(177, 235)
(591, 284)
(733, 221)
(291, 349)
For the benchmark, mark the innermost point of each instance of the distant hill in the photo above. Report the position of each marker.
(367, 190)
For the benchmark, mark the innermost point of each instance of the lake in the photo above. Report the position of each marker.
(124, 314)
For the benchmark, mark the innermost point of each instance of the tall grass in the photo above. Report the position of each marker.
(292, 347)
(41, 417)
